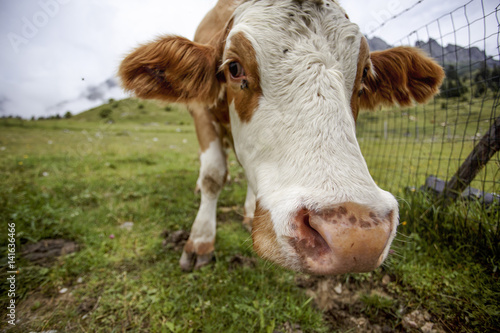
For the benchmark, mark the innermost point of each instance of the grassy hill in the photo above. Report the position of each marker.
(137, 111)
(83, 179)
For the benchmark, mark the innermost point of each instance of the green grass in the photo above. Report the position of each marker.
(448, 256)
(82, 178)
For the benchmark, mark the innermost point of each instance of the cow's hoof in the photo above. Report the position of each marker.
(203, 260)
(247, 223)
(189, 261)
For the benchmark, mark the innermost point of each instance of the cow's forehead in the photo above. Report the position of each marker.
(295, 18)
(287, 31)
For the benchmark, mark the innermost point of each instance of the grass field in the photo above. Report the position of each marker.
(83, 178)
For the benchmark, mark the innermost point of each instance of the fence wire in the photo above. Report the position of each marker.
(404, 147)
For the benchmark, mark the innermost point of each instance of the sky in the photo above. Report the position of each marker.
(55, 55)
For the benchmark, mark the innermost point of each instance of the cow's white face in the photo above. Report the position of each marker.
(293, 74)
(291, 69)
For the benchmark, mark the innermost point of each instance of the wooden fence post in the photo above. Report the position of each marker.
(477, 159)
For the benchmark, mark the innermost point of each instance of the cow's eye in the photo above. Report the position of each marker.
(365, 72)
(236, 70)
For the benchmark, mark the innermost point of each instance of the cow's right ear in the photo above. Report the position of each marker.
(174, 69)
(400, 76)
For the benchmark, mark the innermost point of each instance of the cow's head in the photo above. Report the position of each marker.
(294, 75)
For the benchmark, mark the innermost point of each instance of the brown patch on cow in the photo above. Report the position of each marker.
(329, 215)
(206, 248)
(353, 219)
(264, 238)
(342, 211)
(211, 185)
(246, 97)
(375, 218)
(189, 246)
(200, 249)
(214, 21)
(402, 75)
(221, 114)
(364, 224)
(203, 122)
(174, 69)
(363, 62)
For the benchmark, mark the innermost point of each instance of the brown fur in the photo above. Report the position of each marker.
(173, 69)
(215, 20)
(205, 129)
(363, 62)
(205, 248)
(403, 75)
(245, 100)
(200, 249)
(264, 238)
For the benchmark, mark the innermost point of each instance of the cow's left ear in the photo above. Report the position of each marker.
(174, 69)
(400, 76)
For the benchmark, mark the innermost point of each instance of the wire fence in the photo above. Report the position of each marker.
(410, 149)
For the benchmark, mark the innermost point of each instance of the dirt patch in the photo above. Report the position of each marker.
(40, 307)
(238, 260)
(289, 328)
(230, 214)
(174, 240)
(87, 305)
(46, 251)
(365, 305)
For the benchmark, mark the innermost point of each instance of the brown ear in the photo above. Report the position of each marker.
(174, 69)
(400, 76)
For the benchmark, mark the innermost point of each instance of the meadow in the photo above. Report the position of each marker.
(118, 182)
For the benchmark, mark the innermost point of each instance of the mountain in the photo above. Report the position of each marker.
(91, 97)
(454, 54)
(449, 55)
(377, 44)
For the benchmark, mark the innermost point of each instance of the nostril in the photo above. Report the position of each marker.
(347, 237)
(306, 220)
(308, 239)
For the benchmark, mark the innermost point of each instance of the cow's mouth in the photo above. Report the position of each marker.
(340, 239)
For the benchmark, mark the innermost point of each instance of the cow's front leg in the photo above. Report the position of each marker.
(249, 209)
(199, 248)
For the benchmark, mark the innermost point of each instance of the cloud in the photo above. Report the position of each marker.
(446, 21)
(80, 39)
(3, 101)
(48, 46)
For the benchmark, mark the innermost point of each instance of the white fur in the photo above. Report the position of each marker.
(300, 147)
(213, 163)
(250, 203)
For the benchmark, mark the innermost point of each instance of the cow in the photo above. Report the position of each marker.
(283, 82)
